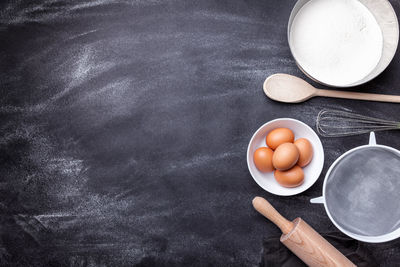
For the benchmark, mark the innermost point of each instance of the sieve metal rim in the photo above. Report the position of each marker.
(371, 239)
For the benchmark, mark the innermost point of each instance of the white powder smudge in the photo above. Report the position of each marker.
(202, 160)
(82, 34)
(14, 14)
(84, 66)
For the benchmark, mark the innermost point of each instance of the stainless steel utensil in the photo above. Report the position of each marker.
(337, 123)
(387, 20)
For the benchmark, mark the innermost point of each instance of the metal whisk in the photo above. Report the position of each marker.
(336, 123)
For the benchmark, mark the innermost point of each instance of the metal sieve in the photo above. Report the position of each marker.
(361, 193)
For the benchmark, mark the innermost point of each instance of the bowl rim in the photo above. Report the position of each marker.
(319, 169)
(361, 82)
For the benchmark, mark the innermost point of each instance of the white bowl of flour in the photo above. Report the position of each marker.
(343, 43)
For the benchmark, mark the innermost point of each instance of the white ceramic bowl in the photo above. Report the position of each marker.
(311, 171)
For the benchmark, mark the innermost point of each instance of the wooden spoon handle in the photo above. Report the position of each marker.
(266, 209)
(358, 96)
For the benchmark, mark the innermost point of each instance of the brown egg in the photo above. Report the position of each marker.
(263, 159)
(285, 156)
(290, 178)
(305, 150)
(279, 136)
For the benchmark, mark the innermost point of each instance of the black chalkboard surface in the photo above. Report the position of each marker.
(125, 124)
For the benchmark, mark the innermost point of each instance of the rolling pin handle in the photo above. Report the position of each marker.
(268, 211)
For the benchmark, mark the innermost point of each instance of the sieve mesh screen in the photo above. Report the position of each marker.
(363, 191)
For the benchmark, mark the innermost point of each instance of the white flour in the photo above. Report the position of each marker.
(338, 42)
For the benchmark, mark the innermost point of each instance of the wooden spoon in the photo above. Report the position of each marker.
(291, 89)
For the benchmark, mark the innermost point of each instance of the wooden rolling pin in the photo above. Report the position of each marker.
(301, 239)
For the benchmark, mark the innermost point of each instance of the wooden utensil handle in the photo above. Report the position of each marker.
(266, 209)
(312, 248)
(358, 96)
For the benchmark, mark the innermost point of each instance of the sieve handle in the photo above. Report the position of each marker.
(318, 200)
(372, 139)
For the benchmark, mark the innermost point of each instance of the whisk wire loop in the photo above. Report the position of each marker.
(336, 123)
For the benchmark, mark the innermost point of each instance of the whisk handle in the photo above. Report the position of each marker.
(358, 96)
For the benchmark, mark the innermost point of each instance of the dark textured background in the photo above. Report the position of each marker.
(125, 124)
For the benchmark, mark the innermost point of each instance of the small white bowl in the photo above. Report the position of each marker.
(311, 171)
